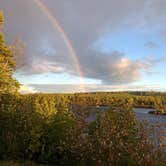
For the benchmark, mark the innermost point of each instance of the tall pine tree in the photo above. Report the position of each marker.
(7, 65)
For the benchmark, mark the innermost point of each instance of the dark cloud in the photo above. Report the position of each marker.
(85, 22)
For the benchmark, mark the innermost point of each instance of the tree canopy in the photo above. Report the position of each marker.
(7, 65)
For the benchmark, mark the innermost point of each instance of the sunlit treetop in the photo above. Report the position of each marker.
(7, 65)
(1, 18)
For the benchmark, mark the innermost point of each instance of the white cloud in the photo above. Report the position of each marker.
(71, 88)
(24, 89)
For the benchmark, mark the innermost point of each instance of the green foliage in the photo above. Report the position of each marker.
(7, 66)
(1, 18)
(20, 133)
(32, 127)
(45, 106)
(56, 138)
(115, 139)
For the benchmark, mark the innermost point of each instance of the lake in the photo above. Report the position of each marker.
(143, 114)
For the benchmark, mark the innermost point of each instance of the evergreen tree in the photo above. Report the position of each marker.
(1, 18)
(7, 65)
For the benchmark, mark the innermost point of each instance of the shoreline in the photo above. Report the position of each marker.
(157, 113)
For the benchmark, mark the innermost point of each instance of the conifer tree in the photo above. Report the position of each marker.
(7, 65)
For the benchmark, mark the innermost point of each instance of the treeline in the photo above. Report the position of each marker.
(147, 101)
(66, 101)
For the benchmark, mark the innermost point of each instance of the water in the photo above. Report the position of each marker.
(157, 121)
(143, 114)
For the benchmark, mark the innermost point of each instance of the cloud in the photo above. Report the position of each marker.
(113, 68)
(39, 66)
(151, 61)
(151, 44)
(84, 22)
(70, 88)
(24, 89)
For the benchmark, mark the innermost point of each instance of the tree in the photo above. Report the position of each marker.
(7, 65)
(1, 18)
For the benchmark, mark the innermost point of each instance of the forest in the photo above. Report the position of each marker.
(52, 129)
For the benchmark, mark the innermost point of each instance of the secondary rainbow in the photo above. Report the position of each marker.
(57, 25)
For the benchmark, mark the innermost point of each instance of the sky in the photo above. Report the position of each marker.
(82, 45)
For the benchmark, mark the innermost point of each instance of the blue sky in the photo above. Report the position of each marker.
(134, 46)
(120, 45)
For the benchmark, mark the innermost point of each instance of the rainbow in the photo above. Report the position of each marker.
(58, 26)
